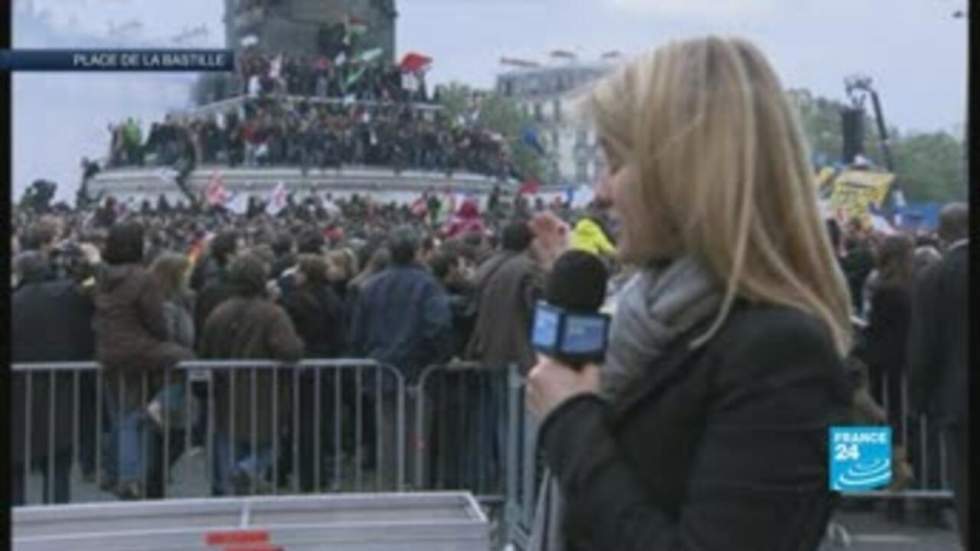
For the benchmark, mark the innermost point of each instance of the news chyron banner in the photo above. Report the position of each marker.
(122, 60)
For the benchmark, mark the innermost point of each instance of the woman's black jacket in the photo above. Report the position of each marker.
(719, 449)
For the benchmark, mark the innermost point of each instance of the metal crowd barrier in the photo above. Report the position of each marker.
(461, 429)
(469, 430)
(524, 467)
(341, 420)
(927, 448)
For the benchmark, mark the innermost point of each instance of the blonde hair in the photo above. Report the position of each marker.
(171, 270)
(346, 261)
(715, 156)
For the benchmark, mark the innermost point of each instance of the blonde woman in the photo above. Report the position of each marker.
(706, 427)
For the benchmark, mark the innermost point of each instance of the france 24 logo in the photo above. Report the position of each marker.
(860, 458)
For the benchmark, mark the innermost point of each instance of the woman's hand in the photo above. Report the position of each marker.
(551, 383)
(551, 238)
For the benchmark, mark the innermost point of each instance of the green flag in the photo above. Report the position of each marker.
(354, 77)
(369, 55)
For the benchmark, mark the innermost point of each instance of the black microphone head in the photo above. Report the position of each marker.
(577, 282)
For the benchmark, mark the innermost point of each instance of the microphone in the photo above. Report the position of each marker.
(567, 323)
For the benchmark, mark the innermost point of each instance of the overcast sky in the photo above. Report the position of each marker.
(915, 51)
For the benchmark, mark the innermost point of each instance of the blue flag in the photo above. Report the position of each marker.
(530, 138)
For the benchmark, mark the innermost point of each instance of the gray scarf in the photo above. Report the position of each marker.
(651, 310)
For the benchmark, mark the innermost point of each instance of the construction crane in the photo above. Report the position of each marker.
(859, 87)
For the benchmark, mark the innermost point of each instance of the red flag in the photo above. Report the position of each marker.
(215, 192)
(415, 62)
(419, 207)
(529, 187)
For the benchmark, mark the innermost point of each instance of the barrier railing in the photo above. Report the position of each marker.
(337, 425)
(461, 429)
(317, 426)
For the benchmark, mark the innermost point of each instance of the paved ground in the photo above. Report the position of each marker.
(873, 532)
(867, 531)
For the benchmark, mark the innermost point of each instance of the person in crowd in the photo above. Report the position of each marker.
(733, 328)
(937, 352)
(209, 277)
(342, 268)
(401, 319)
(211, 268)
(507, 287)
(924, 257)
(132, 346)
(888, 322)
(467, 220)
(857, 263)
(248, 326)
(172, 272)
(105, 216)
(317, 312)
(51, 322)
(284, 249)
(378, 261)
(589, 236)
(450, 269)
(319, 316)
(402, 312)
(43, 237)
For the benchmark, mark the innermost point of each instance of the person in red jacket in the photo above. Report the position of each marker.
(467, 220)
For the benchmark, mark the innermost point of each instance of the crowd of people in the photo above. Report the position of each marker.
(311, 283)
(728, 324)
(320, 276)
(273, 133)
(322, 77)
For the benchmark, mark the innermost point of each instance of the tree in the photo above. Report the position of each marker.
(928, 166)
(38, 196)
(821, 121)
(497, 114)
(931, 167)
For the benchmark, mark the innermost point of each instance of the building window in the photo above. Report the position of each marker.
(555, 140)
(557, 105)
(581, 171)
(538, 112)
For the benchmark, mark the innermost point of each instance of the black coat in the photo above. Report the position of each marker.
(719, 449)
(938, 339)
(319, 317)
(857, 266)
(50, 322)
(888, 327)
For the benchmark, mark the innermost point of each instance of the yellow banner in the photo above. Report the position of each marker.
(854, 191)
(824, 177)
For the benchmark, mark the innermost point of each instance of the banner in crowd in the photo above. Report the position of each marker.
(854, 192)
(238, 203)
(215, 193)
(277, 200)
